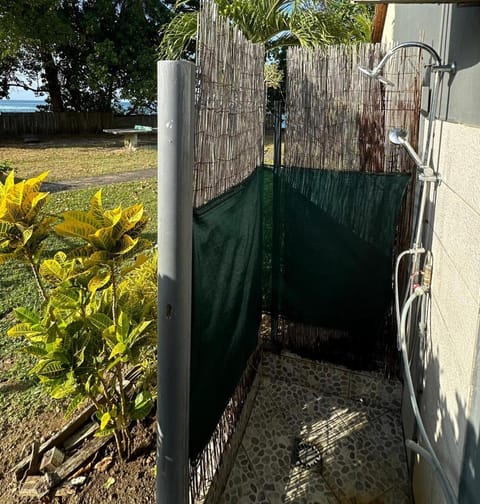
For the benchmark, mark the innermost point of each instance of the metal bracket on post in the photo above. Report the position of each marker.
(429, 175)
(176, 88)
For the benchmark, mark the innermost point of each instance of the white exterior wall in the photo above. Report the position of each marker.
(453, 229)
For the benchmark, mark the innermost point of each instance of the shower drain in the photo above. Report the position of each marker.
(306, 454)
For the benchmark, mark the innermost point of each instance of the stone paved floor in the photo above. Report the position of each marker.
(351, 418)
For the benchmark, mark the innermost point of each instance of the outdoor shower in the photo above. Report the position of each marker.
(426, 176)
(437, 68)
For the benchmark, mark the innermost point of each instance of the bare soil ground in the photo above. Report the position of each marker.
(120, 482)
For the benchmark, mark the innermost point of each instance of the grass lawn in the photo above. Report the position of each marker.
(77, 156)
(268, 149)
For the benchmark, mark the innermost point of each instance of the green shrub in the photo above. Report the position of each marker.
(6, 166)
(94, 335)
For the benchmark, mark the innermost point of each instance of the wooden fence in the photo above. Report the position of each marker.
(48, 123)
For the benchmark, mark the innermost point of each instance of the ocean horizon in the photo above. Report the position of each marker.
(20, 105)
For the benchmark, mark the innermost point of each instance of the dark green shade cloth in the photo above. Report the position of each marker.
(335, 239)
(227, 301)
(328, 241)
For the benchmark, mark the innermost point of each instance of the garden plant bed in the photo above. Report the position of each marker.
(28, 415)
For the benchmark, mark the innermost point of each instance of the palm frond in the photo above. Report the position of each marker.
(178, 33)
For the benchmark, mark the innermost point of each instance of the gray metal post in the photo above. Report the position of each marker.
(176, 84)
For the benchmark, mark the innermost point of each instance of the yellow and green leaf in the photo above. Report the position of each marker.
(96, 208)
(75, 229)
(105, 420)
(52, 270)
(119, 349)
(100, 280)
(34, 183)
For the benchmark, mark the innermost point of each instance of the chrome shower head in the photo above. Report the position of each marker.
(367, 71)
(437, 66)
(375, 74)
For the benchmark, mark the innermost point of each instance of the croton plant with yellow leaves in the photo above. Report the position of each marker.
(93, 336)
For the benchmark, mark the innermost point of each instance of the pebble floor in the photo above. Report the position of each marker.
(351, 418)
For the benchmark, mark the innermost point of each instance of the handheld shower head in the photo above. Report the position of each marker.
(436, 67)
(398, 136)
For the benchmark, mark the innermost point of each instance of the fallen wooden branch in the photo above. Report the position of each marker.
(56, 440)
(75, 461)
(40, 486)
(86, 431)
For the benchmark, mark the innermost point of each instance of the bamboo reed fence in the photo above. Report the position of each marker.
(337, 118)
(228, 148)
(230, 106)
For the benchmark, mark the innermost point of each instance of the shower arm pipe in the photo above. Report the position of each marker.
(427, 153)
(409, 148)
(438, 67)
(421, 213)
(416, 250)
(428, 177)
(433, 459)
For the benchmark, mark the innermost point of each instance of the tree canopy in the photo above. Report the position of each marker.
(84, 54)
(277, 23)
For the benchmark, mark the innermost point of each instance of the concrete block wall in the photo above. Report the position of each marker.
(449, 381)
(453, 229)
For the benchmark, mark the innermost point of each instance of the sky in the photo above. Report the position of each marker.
(17, 93)
(20, 94)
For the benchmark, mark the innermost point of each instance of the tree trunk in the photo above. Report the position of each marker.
(53, 83)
